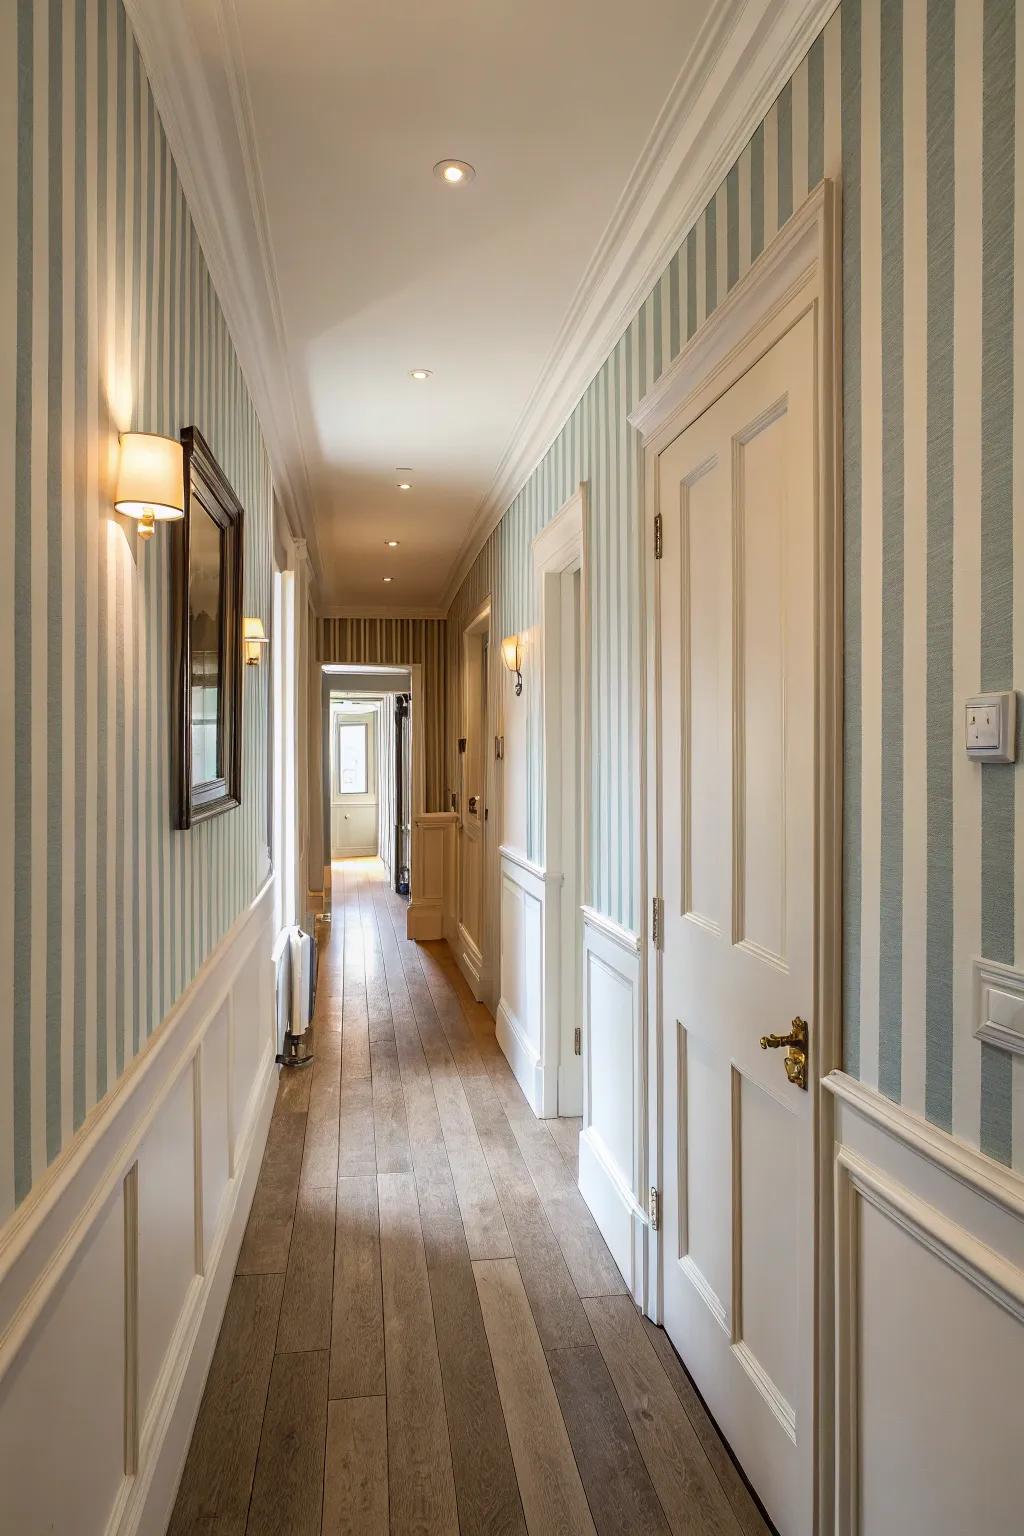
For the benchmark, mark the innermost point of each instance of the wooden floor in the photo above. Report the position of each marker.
(426, 1332)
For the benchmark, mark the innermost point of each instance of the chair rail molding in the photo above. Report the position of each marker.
(115, 1274)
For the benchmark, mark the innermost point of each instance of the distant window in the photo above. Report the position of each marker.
(350, 765)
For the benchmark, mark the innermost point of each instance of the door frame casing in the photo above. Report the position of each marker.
(562, 545)
(798, 272)
(479, 968)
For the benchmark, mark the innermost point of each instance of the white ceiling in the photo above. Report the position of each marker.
(380, 268)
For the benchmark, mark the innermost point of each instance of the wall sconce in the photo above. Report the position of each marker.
(512, 656)
(150, 480)
(253, 641)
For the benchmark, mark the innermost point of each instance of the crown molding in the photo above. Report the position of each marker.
(742, 58)
(383, 613)
(232, 227)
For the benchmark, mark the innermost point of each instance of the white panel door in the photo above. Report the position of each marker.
(736, 495)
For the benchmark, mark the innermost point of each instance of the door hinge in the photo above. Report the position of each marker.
(654, 1208)
(577, 1040)
(658, 538)
(499, 747)
(462, 743)
(657, 914)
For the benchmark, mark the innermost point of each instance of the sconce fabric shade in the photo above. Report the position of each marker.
(253, 641)
(150, 477)
(512, 656)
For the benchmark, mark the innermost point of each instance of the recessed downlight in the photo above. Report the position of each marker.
(391, 543)
(454, 173)
(387, 578)
(403, 485)
(419, 374)
(404, 481)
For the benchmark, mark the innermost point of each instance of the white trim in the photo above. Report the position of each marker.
(797, 273)
(1002, 1186)
(523, 862)
(742, 58)
(999, 1005)
(522, 1056)
(563, 545)
(624, 937)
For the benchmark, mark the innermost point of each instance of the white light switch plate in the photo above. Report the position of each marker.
(990, 727)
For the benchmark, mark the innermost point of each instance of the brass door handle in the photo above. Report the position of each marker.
(796, 1051)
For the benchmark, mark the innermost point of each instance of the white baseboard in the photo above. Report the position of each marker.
(523, 1057)
(622, 1222)
(114, 1275)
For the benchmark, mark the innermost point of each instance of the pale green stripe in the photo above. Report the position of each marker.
(851, 51)
(939, 973)
(998, 828)
(890, 982)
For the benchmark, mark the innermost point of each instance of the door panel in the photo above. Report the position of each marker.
(738, 715)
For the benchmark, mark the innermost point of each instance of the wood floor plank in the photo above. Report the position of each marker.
(213, 1495)
(269, 1228)
(390, 1125)
(549, 1481)
(293, 1087)
(357, 1322)
(565, 1133)
(320, 1153)
(485, 1479)
(750, 1518)
(691, 1495)
(309, 1283)
(356, 1470)
(357, 1157)
(288, 1488)
(617, 1483)
(421, 1481)
(561, 1320)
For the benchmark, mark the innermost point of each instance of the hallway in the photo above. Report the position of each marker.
(426, 1331)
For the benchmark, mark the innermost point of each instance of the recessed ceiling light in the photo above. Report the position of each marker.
(403, 485)
(454, 173)
(419, 374)
(387, 578)
(391, 543)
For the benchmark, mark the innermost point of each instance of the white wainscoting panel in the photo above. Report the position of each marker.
(930, 1327)
(115, 1272)
(611, 1144)
(523, 1019)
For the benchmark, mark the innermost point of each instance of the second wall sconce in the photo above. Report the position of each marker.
(512, 656)
(150, 480)
(253, 641)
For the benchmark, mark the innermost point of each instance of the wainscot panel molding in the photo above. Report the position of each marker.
(528, 1014)
(612, 1143)
(114, 1273)
(432, 898)
(929, 1263)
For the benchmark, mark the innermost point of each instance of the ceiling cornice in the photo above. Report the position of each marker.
(742, 58)
(340, 612)
(225, 216)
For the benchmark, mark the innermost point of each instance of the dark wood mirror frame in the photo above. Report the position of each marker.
(206, 483)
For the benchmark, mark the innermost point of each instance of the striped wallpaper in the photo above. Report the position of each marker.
(108, 320)
(393, 642)
(913, 105)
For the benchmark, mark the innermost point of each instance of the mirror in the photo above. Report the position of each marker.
(207, 609)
